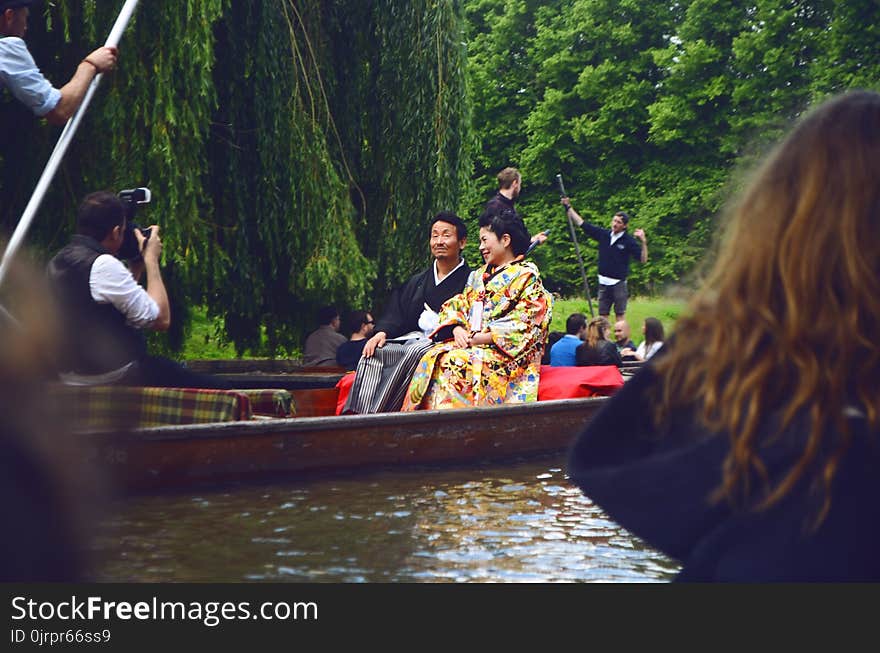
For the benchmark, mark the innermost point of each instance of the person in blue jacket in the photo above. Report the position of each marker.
(748, 448)
(616, 248)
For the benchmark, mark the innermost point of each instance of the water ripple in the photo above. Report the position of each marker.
(521, 524)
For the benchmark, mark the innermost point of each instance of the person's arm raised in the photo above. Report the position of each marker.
(640, 234)
(570, 212)
(73, 92)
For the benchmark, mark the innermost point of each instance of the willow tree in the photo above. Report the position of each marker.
(147, 126)
(286, 171)
(404, 142)
(341, 127)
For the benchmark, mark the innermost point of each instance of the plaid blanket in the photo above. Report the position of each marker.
(117, 407)
(275, 403)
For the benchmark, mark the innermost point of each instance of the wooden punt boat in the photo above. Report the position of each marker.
(290, 375)
(269, 373)
(166, 457)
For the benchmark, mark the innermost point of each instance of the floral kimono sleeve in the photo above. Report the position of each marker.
(523, 325)
(455, 310)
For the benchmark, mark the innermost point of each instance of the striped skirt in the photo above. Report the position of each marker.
(382, 380)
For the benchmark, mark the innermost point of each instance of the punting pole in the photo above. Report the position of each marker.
(577, 248)
(61, 147)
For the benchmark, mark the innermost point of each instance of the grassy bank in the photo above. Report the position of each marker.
(206, 339)
(638, 308)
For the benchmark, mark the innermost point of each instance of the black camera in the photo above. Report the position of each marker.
(132, 198)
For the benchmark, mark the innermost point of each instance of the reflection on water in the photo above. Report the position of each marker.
(516, 523)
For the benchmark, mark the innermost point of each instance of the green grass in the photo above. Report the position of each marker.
(206, 339)
(637, 309)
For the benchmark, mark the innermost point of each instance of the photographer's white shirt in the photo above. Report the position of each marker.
(112, 283)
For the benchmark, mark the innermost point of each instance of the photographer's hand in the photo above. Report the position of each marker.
(151, 246)
(152, 251)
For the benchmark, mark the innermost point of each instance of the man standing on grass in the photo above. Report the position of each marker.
(616, 247)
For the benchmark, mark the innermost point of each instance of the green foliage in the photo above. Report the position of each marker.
(648, 107)
(400, 83)
(295, 148)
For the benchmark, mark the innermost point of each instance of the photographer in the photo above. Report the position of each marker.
(104, 307)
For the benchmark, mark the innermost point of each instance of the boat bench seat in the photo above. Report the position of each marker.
(114, 407)
(554, 383)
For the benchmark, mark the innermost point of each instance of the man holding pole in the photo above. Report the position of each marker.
(19, 72)
(616, 247)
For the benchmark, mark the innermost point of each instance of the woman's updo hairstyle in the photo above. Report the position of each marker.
(508, 222)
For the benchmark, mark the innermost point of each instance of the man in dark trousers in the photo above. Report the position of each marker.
(20, 74)
(401, 334)
(616, 248)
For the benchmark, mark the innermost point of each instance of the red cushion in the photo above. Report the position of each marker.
(555, 383)
(572, 382)
(344, 386)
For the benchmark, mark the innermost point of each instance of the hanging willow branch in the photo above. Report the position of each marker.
(295, 148)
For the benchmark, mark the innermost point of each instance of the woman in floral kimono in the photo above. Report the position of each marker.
(494, 331)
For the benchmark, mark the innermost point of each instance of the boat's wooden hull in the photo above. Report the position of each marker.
(183, 456)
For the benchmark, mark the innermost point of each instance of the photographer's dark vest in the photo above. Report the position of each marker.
(98, 340)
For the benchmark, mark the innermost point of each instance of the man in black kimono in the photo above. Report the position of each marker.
(401, 334)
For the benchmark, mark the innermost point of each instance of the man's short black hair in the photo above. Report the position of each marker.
(327, 314)
(624, 217)
(99, 213)
(451, 218)
(575, 322)
(354, 320)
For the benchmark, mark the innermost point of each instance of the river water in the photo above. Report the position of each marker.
(513, 523)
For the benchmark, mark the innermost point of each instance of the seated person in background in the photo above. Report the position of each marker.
(552, 339)
(401, 334)
(562, 353)
(622, 339)
(653, 331)
(747, 448)
(498, 327)
(360, 325)
(106, 310)
(597, 349)
(322, 343)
